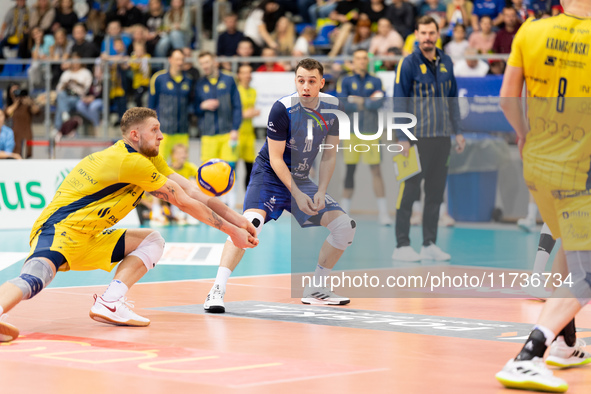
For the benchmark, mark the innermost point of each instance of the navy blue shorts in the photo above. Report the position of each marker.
(266, 192)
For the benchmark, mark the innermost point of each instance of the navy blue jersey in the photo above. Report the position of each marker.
(288, 121)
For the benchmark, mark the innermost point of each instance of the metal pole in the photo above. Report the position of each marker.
(199, 23)
(106, 104)
(47, 71)
(214, 23)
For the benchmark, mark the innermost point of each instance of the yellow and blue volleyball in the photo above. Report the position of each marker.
(215, 177)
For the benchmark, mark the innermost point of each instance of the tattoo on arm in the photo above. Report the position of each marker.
(164, 196)
(160, 195)
(216, 221)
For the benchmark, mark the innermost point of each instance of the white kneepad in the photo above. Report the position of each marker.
(342, 232)
(150, 250)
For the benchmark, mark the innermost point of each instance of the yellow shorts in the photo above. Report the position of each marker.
(218, 147)
(359, 149)
(246, 147)
(82, 252)
(169, 141)
(567, 214)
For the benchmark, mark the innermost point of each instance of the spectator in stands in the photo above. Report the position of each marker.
(401, 14)
(114, 32)
(6, 140)
(228, 41)
(189, 68)
(304, 45)
(483, 39)
(284, 36)
(245, 49)
(505, 36)
(42, 15)
(127, 14)
(170, 94)
(177, 29)
(262, 21)
(39, 52)
(60, 52)
(270, 65)
(470, 67)
(181, 165)
(436, 10)
(375, 10)
(154, 20)
(20, 108)
(141, 72)
(346, 15)
(361, 37)
(96, 26)
(139, 36)
(85, 48)
(386, 38)
(90, 106)
(491, 8)
(320, 9)
(497, 67)
(459, 12)
(15, 26)
(458, 45)
(73, 85)
(118, 78)
(65, 17)
(521, 9)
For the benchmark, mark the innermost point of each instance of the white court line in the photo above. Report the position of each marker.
(177, 280)
(307, 378)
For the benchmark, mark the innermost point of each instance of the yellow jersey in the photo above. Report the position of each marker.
(102, 189)
(187, 171)
(248, 97)
(554, 56)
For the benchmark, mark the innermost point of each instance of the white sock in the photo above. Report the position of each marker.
(417, 207)
(382, 206)
(222, 277)
(549, 334)
(321, 276)
(346, 204)
(532, 211)
(115, 291)
(443, 209)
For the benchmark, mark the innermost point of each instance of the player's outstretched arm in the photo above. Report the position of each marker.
(173, 193)
(213, 203)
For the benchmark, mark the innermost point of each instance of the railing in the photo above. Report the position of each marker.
(234, 61)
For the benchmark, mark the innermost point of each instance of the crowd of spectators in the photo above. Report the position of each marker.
(131, 32)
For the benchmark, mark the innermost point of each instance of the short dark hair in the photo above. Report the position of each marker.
(79, 24)
(310, 64)
(136, 115)
(205, 53)
(173, 50)
(427, 20)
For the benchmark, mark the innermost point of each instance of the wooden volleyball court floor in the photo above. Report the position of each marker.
(268, 342)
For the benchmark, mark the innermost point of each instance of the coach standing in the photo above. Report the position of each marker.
(426, 79)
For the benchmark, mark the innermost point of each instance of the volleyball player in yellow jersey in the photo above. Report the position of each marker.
(246, 135)
(73, 231)
(552, 57)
